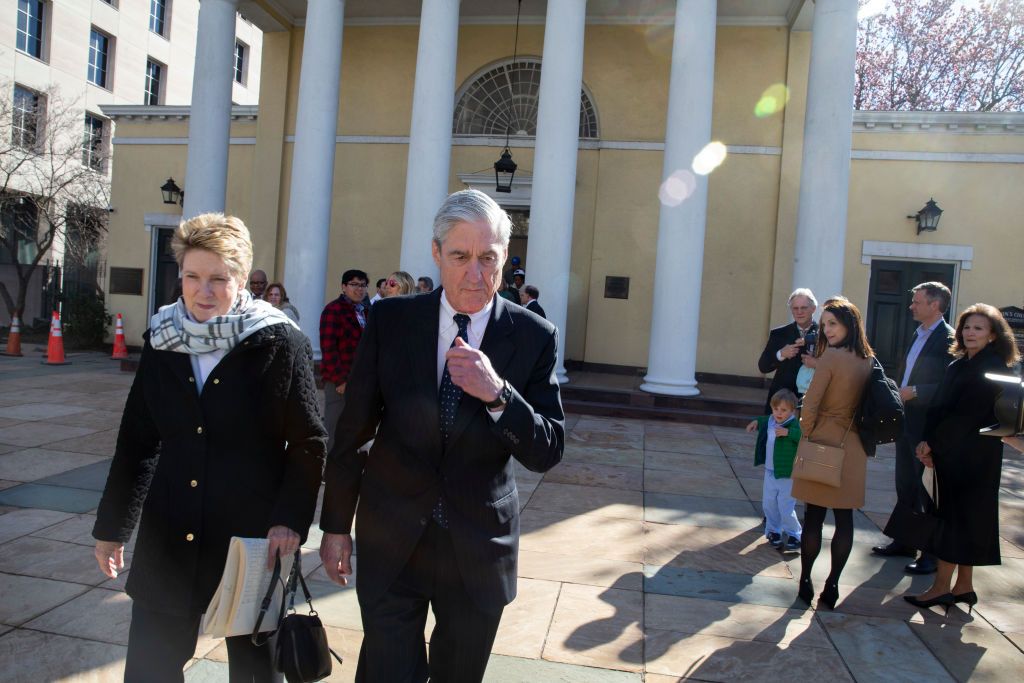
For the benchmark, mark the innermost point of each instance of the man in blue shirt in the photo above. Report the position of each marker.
(919, 376)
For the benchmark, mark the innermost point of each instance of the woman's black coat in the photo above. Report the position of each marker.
(243, 457)
(968, 465)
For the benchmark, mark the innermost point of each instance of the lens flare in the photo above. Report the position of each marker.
(677, 187)
(709, 158)
(773, 100)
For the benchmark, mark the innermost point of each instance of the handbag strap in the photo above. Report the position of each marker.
(265, 605)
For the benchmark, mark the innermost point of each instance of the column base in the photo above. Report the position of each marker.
(669, 388)
(561, 376)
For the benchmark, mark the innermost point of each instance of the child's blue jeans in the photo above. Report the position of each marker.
(779, 506)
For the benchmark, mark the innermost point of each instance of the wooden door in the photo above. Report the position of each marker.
(890, 326)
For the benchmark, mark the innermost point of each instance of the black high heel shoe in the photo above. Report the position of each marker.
(830, 596)
(945, 600)
(806, 592)
(970, 599)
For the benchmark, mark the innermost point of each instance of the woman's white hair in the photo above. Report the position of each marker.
(471, 206)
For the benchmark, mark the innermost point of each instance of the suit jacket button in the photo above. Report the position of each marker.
(189, 537)
(423, 521)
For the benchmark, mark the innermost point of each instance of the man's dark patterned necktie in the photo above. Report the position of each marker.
(449, 396)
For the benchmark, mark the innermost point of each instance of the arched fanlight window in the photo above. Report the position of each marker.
(510, 91)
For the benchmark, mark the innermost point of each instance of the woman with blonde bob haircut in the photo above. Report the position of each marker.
(968, 465)
(221, 436)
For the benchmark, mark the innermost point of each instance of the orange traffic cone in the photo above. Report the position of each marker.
(55, 347)
(120, 348)
(14, 338)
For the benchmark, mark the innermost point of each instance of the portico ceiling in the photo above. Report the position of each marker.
(272, 15)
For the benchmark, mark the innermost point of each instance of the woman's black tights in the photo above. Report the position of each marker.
(810, 541)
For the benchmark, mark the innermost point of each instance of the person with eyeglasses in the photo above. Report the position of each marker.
(341, 326)
(399, 283)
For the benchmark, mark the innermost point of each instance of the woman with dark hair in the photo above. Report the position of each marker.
(967, 464)
(827, 417)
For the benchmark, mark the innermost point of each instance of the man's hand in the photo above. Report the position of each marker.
(110, 557)
(283, 540)
(790, 350)
(781, 431)
(336, 554)
(752, 426)
(340, 388)
(471, 371)
(907, 394)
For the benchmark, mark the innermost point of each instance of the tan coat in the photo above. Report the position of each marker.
(829, 405)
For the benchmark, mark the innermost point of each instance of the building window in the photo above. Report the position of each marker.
(92, 143)
(158, 17)
(99, 58)
(241, 61)
(154, 76)
(30, 27)
(25, 122)
(20, 216)
(505, 97)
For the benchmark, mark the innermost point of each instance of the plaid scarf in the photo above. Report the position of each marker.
(172, 329)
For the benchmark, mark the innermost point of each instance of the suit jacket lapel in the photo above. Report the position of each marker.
(499, 348)
(422, 346)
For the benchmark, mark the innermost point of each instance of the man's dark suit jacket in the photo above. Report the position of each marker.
(533, 305)
(393, 384)
(785, 370)
(926, 375)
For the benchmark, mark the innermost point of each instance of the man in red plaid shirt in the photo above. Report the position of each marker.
(341, 326)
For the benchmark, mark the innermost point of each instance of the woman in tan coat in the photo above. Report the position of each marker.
(827, 417)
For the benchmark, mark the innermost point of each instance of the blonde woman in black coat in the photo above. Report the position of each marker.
(968, 465)
(221, 437)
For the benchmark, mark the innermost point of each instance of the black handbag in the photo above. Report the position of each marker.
(880, 417)
(301, 651)
(912, 528)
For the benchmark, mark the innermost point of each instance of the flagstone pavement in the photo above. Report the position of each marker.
(641, 559)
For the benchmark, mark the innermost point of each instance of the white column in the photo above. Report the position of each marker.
(430, 138)
(675, 319)
(549, 250)
(825, 175)
(206, 171)
(312, 181)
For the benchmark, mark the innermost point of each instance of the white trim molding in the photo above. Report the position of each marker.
(953, 157)
(959, 253)
(164, 112)
(173, 141)
(955, 122)
(160, 220)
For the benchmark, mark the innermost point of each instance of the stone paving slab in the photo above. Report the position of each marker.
(28, 434)
(518, 670)
(33, 464)
(882, 649)
(22, 522)
(101, 615)
(47, 497)
(721, 513)
(92, 477)
(38, 411)
(972, 654)
(44, 558)
(26, 597)
(31, 657)
(593, 500)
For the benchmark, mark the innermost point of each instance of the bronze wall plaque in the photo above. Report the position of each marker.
(126, 281)
(616, 287)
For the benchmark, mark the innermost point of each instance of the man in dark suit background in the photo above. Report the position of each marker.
(919, 375)
(459, 382)
(785, 348)
(528, 295)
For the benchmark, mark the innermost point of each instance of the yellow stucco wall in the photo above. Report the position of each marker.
(752, 199)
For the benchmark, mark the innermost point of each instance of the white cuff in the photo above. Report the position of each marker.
(778, 355)
(496, 414)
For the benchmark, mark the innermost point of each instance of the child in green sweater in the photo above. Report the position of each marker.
(778, 435)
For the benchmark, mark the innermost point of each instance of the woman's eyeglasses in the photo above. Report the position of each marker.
(392, 283)
(357, 285)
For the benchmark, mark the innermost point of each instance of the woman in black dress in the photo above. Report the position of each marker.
(967, 464)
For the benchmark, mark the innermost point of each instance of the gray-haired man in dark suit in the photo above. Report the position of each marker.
(919, 375)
